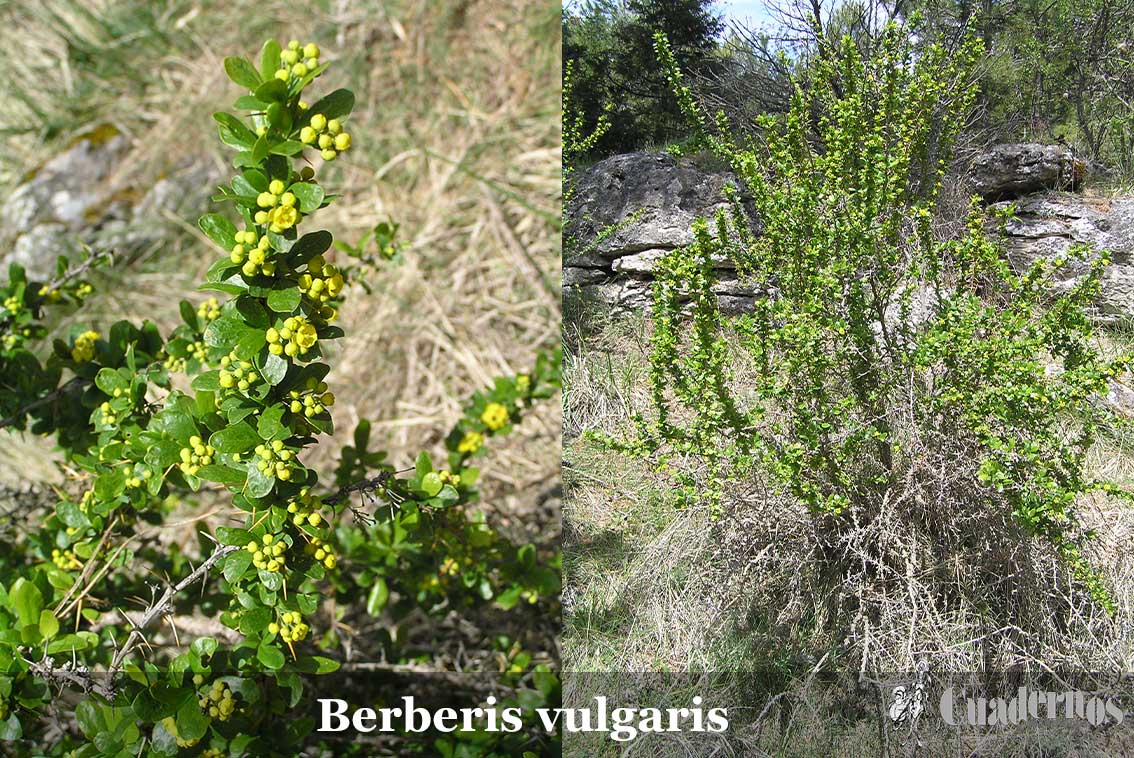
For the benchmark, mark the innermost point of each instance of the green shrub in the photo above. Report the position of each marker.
(140, 443)
(881, 364)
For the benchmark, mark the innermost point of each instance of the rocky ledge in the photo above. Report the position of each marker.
(647, 203)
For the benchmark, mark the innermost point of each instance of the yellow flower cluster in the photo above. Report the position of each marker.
(252, 250)
(295, 338)
(271, 556)
(218, 702)
(322, 282)
(50, 295)
(523, 382)
(210, 309)
(470, 443)
(495, 416)
(171, 726)
(12, 304)
(297, 60)
(448, 477)
(83, 290)
(86, 501)
(237, 374)
(84, 347)
(328, 134)
(107, 414)
(280, 212)
(449, 567)
(196, 350)
(66, 560)
(322, 552)
(291, 627)
(304, 509)
(312, 401)
(196, 455)
(275, 460)
(141, 474)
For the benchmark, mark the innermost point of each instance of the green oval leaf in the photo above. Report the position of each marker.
(241, 71)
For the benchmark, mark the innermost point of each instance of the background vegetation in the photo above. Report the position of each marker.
(1052, 71)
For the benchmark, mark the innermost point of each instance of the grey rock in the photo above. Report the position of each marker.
(1050, 224)
(80, 197)
(1013, 170)
(646, 201)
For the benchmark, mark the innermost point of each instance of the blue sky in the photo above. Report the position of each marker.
(751, 11)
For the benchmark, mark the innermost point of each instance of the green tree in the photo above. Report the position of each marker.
(610, 47)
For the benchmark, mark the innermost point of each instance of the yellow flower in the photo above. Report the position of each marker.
(495, 416)
(283, 217)
(83, 350)
(471, 442)
(306, 336)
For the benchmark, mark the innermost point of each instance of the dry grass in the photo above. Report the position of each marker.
(457, 139)
(650, 588)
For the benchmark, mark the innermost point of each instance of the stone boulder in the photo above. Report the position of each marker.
(1013, 170)
(1051, 223)
(628, 211)
(83, 196)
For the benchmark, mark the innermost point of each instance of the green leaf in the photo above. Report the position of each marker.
(221, 474)
(271, 656)
(335, 105)
(236, 564)
(73, 643)
(377, 598)
(287, 147)
(285, 300)
(259, 484)
(261, 149)
(191, 722)
(11, 729)
(309, 195)
(219, 229)
(431, 483)
(269, 426)
(234, 132)
(310, 245)
(27, 601)
(270, 580)
(109, 379)
(236, 438)
(249, 103)
(227, 535)
(273, 369)
(269, 59)
(206, 382)
(89, 718)
(255, 620)
(241, 71)
(48, 624)
(325, 665)
(110, 484)
(188, 313)
(272, 91)
(228, 330)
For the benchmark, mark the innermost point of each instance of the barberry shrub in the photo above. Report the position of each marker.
(898, 383)
(223, 412)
